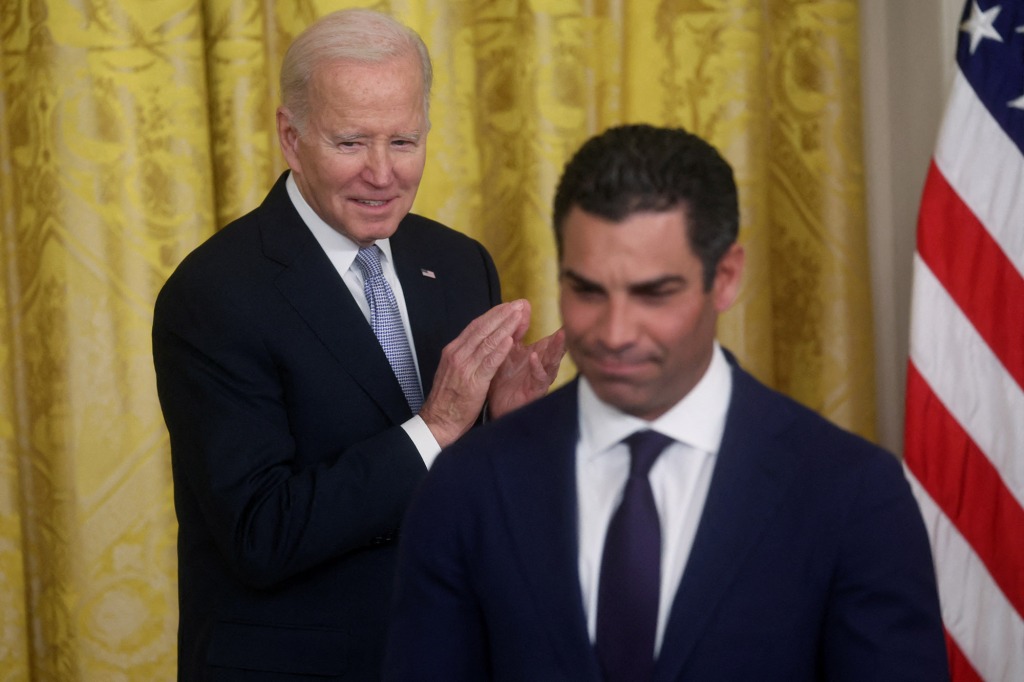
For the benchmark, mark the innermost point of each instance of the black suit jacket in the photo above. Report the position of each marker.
(810, 560)
(291, 471)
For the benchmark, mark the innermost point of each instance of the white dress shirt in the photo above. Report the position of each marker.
(679, 478)
(342, 253)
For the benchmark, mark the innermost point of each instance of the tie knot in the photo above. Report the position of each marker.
(369, 261)
(644, 448)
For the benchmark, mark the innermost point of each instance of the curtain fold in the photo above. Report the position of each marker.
(131, 130)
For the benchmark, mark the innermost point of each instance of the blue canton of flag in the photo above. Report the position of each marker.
(991, 55)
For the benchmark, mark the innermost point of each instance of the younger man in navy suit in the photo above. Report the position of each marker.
(665, 516)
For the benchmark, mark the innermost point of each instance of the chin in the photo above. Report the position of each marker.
(623, 398)
(368, 235)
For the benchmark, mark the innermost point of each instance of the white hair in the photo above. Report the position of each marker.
(359, 35)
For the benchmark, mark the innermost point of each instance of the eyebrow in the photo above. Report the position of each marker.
(353, 137)
(645, 287)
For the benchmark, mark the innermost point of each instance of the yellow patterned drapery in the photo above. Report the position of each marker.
(131, 129)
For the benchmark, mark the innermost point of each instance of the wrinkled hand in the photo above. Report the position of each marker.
(527, 372)
(468, 364)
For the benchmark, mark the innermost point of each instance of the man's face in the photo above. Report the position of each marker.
(638, 323)
(359, 161)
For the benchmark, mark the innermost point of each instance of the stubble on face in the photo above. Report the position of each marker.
(639, 324)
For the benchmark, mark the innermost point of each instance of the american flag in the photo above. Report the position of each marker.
(964, 448)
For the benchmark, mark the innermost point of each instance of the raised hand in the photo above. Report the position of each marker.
(527, 371)
(468, 365)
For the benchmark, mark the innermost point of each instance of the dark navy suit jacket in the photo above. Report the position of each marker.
(291, 471)
(810, 561)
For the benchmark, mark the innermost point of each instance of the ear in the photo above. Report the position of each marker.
(728, 275)
(288, 137)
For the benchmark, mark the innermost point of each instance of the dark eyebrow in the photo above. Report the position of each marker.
(643, 288)
(655, 286)
(581, 282)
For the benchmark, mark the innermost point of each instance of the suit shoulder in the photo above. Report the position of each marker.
(516, 435)
(242, 242)
(798, 427)
(229, 273)
(213, 265)
(424, 245)
(419, 223)
(426, 232)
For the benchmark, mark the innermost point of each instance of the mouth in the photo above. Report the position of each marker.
(371, 203)
(612, 367)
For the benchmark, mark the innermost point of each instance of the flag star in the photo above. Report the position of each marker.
(980, 25)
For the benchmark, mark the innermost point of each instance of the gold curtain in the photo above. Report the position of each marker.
(131, 129)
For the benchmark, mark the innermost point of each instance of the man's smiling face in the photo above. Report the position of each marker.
(359, 159)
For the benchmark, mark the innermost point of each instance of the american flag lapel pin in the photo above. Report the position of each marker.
(428, 273)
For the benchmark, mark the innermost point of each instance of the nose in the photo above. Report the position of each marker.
(617, 326)
(379, 168)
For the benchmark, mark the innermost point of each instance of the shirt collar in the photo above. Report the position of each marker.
(339, 248)
(697, 420)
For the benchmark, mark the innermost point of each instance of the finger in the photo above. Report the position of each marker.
(555, 350)
(503, 318)
(550, 364)
(492, 362)
(524, 321)
(485, 366)
(539, 371)
(551, 348)
(472, 362)
(486, 334)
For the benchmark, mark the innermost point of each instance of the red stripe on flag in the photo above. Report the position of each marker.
(960, 668)
(974, 270)
(965, 485)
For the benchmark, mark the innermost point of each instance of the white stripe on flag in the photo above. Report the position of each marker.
(968, 378)
(984, 167)
(974, 610)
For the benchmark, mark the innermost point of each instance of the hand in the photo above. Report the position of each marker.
(468, 364)
(527, 372)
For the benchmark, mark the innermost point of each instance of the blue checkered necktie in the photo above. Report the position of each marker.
(630, 582)
(387, 325)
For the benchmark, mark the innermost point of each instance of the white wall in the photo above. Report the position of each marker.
(907, 49)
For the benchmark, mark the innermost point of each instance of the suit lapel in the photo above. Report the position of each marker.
(750, 479)
(537, 491)
(313, 287)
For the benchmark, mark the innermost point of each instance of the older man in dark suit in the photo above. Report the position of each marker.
(312, 359)
(665, 517)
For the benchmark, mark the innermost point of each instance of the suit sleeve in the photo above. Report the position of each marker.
(883, 620)
(437, 629)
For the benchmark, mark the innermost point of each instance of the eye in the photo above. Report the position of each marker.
(404, 143)
(585, 290)
(658, 293)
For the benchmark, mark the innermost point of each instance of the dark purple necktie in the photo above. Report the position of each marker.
(627, 596)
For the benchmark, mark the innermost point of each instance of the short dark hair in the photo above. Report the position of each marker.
(637, 168)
